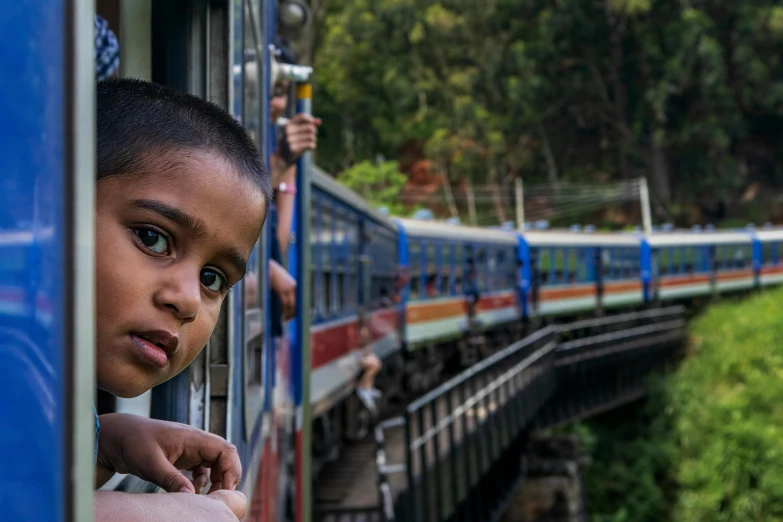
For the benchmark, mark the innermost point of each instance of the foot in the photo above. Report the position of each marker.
(367, 397)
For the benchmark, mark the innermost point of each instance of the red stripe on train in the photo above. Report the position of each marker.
(331, 343)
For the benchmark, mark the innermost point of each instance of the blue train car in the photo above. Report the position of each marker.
(46, 261)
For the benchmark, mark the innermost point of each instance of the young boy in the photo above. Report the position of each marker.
(182, 195)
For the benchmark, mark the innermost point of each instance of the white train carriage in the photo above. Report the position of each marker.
(575, 272)
(687, 264)
(770, 255)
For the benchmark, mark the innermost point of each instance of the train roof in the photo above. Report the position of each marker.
(567, 238)
(328, 184)
(775, 234)
(439, 230)
(664, 239)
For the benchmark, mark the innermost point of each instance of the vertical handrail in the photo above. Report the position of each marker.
(301, 324)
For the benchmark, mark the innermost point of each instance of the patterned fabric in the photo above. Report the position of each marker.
(97, 432)
(107, 50)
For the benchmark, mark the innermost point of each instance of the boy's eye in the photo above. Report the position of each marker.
(212, 280)
(152, 240)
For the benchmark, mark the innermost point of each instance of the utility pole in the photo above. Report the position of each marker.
(520, 204)
(644, 201)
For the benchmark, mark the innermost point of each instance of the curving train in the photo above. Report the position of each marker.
(413, 281)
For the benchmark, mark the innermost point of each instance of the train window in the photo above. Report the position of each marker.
(635, 263)
(316, 248)
(499, 272)
(443, 259)
(457, 272)
(326, 299)
(431, 270)
(338, 243)
(481, 269)
(414, 262)
(341, 304)
(771, 253)
(513, 270)
(581, 264)
(663, 261)
(606, 263)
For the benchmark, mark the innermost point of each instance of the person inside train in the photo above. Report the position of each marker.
(181, 198)
(471, 288)
(299, 135)
(107, 50)
(432, 286)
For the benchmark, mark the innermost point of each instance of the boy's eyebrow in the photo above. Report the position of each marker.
(194, 224)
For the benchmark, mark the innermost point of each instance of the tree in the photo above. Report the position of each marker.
(380, 184)
(688, 95)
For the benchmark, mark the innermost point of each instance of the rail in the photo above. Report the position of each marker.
(465, 438)
(458, 436)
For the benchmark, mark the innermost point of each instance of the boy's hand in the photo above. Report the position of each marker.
(156, 450)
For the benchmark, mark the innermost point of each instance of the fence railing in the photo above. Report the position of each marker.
(606, 362)
(458, 436)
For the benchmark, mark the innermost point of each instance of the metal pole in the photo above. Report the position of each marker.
(644, 201)
(301, 325)
(520, 204)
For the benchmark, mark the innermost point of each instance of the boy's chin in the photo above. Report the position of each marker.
(127, 384)
(126, 392)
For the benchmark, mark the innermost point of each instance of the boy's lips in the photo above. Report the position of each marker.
(155, 346)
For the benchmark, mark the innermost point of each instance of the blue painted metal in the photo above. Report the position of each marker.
(525, 274)
(35, 429)
(757, 252)
(646, 270)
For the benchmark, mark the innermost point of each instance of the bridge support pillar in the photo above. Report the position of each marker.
(551, 488)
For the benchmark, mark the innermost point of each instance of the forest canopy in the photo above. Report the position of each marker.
(688, 94)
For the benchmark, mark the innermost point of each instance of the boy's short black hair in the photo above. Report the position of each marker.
(138, 119)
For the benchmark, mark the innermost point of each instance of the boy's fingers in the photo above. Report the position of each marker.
(235, 501)
(223, 460)
(200, 478)
(170, 478)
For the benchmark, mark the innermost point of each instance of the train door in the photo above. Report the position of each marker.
(47, 351)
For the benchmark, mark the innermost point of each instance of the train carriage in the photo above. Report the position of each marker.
(769, 253)
(688, 264)
(461, 282)
(574, 272)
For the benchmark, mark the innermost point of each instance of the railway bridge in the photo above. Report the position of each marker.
(459, 452)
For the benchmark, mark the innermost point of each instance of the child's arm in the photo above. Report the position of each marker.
(156, 450)
(220, 506)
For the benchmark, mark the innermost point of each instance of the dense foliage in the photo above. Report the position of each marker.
(689, 94)
(708, 446)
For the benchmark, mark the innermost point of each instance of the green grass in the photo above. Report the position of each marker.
(727, 406)
(707, 446)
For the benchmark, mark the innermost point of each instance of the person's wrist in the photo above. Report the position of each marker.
(110, 440)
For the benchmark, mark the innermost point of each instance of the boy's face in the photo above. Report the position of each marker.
(170, 242)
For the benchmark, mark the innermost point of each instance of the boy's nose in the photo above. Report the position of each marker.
(181, 293)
